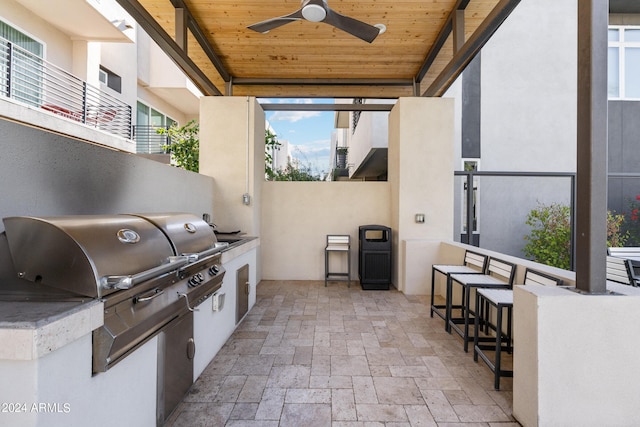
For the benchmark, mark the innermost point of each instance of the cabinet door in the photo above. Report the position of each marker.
(176, 350)
(243, 289)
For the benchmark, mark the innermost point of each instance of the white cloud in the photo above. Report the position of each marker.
(293, 116)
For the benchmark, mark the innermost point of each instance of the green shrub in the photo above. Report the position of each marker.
(184, 145)
(549, 241)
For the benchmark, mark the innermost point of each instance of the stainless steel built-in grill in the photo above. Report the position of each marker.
(148, 268)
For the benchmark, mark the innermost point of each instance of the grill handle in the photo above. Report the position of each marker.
(127, 282)
(219, 246)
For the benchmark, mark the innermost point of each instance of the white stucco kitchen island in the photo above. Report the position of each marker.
(46, 356)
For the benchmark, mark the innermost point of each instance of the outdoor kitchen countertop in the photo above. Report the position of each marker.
(33, 329)
(235, 249)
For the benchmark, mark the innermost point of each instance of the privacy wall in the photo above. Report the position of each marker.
(45, 174)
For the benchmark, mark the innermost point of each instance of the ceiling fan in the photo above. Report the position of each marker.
(319, 11)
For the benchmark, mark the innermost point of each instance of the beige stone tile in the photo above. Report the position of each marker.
(364, 390)
(308, 395)
(320, 365)
(242, 346)
(349, 365)
(303, 355)
(292, 376)
(384, 356)
(457, 397)
(252, 389)
(438, 383)
(252, 365)
(270, 407)
(306, 354)
(230, 389)
(343, 406)
(380, 371)
(397, 391)
(370, 340)
(209, 415)
(330, 382)
(301, 414)
(381, 413)
(480, 413)
(420, 416)
(436, 367)
(244, 411)
(410, 371)
(439, 406)
(355, 347)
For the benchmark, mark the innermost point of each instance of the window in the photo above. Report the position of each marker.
(18, 38)
(624, 63)
(110, 79)
(25, 82)
(147, 121)
(103, 76)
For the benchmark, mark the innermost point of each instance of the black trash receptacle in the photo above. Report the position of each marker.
(374, 255)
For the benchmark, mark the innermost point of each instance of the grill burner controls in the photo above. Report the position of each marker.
(196, 280)
(215, 269)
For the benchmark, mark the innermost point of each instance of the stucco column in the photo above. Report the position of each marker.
(232, 153)
(421, 134)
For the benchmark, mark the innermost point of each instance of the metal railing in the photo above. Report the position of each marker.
(29, 79)
(149, 141)
(522, 198)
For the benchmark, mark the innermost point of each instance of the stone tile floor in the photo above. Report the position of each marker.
(306, 355)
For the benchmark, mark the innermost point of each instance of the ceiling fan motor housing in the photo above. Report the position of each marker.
(314, 13)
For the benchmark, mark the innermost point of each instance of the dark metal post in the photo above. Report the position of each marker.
(9, 69)
(84, 102)
(572, 260)
(591, 207)
(458, 30)
(181, 28)
(470, 208)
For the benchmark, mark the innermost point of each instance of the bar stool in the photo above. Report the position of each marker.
(340, 243)
(473, 263)
(499, 274)
(501, 299)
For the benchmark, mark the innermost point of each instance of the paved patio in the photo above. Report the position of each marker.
(307, 355)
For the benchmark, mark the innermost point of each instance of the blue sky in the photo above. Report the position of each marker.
(308, 132)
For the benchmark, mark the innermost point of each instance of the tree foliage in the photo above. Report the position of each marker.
(549, 241)
(295, 173)
(291, 172)
(184, 145)
(271, 144)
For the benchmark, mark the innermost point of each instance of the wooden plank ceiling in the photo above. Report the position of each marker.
(306, 59)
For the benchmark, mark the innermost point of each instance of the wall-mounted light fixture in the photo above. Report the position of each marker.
(122, 24)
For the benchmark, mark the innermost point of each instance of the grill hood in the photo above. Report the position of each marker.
(95, 255)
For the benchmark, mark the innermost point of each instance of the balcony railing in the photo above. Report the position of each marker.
(149, 141)
(31, 80)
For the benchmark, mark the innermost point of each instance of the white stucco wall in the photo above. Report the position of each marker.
(421, 176)
(529, 89)
(528, 119)
(574, 363)
(297, 216)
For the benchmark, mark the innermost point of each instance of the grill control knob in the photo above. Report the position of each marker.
(214, 270)
(200, 277)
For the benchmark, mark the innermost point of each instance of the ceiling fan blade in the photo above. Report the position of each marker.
(270, 24)
(360, 29)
